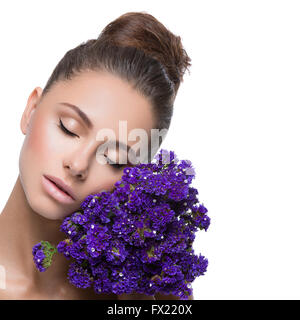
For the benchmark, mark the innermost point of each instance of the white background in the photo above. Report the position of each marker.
(236, 118)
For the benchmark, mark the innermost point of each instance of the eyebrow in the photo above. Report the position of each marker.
(89, 124)
(81, 114)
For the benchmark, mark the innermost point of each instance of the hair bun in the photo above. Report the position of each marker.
(143, 31)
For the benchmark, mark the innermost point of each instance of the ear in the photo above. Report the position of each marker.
(31, 106)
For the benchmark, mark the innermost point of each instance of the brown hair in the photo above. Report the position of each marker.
(138, 48)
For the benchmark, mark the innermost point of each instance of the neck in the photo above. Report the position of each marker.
(20, 229)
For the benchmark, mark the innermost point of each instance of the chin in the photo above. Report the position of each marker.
(44, 206)
(46, 211)
(40, 203)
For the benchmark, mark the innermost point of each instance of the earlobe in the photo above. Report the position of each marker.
(30, 108)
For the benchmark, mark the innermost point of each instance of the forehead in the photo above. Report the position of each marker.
(106, 99)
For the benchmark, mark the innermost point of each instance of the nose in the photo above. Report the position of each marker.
(76, 172)
(77, 167)
(77, 162)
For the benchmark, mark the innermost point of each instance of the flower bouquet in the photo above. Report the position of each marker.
(137, 238)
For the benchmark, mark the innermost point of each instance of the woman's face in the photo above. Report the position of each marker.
(49, 150)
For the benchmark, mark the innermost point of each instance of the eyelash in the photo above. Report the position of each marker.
(66, 131)
(116, 166)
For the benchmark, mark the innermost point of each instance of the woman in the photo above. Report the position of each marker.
(131, 73)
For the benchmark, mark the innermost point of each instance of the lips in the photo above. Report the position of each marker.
(61, 185)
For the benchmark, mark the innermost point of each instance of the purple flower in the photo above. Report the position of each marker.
(139, 236)
(42, 255)
(79, 276)
(205, 222)
(39, 257)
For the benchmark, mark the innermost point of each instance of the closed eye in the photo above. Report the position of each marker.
(65, 130)
(117, 166)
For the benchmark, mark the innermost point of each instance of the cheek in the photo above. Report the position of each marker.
(101, 178)
(37, 145)
(29, 145)
(40, 154)
(39, 151)
(33, 154)
(43, 144)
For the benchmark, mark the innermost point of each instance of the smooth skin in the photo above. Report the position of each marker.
(30, 214)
